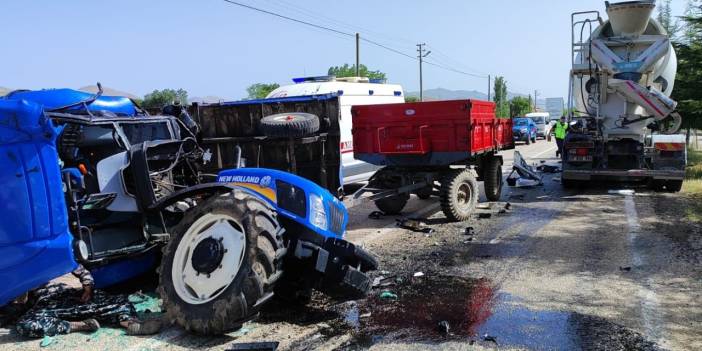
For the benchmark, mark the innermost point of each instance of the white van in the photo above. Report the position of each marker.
(351, 91)
(542, 120)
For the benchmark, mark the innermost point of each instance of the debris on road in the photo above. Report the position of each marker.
(484, 215)
(544, 168)
(388, 295)
(254, 346)
(522, 174)
(414, 224)
(621, 192)
(418, 274)
(444, 327)
(376, 215)
(625, 269)
(508, 205)
(384, 281)
(491, 338)
(469, 231)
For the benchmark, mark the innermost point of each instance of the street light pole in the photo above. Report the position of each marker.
(358, 55)
(421, 54)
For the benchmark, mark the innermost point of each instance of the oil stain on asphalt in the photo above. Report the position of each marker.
(435, 309)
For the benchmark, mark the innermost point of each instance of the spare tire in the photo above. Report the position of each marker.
(289, 125)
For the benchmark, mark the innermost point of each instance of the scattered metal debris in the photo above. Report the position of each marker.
(376, 215)
(469, 231)
(625, 269)
(254, 346)
(524, 172)
(548, 168)
(621, 192)
(508, 205)
(444, 327)
(382, 281)
(491, 338)
(484, 215)
(418, 274)
(388, 295)
(414, 224)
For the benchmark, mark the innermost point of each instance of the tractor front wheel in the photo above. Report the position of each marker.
(221, 263)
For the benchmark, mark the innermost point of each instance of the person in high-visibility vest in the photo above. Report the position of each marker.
(559, 130)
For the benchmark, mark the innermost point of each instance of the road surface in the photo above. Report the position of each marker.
(559, 270)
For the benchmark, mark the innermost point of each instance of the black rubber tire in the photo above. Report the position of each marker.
(392, 205)
(570, 183)
(252, 285)
(493, 178)
(673, 186)
(449, 195)
(424, 193)
(528, 140)
(533, 140)
(289, 125)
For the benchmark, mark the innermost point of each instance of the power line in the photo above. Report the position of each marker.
(288, 18)
(350, 35)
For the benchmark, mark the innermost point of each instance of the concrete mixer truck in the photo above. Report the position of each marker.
(622, 123)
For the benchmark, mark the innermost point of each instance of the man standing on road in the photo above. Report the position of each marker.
(559, 130)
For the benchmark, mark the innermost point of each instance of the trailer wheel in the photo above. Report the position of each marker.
(392, 205)
(459, 195)
(493, 178)
(221, 264)
(289, 125)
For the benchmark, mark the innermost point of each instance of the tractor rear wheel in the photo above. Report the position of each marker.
(221, 263)
(459, 195)
(493, 178)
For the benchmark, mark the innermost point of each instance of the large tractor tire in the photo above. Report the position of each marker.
(493, 178)
(221, 263)
(289, 125)
(459, 195)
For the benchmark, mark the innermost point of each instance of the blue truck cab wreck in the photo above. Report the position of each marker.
(96, 180)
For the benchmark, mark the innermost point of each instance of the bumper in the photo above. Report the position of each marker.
(336, 268)
(633, 174)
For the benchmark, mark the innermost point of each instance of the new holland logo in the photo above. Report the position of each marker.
(265, 181)
(240, 179)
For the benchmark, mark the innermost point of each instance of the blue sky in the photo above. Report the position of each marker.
(209, 47)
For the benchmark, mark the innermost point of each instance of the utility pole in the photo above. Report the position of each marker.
(489, 87)
(421, 54)
(358, 55)
(536, 95)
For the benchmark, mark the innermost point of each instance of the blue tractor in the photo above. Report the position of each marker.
(96, 180)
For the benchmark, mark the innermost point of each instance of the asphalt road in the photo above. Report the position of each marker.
(559, 270)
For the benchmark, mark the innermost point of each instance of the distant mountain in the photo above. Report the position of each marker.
(447, 94)
(4, 91)
(108, 91)
(207, 99)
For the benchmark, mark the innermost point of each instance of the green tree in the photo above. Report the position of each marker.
(519, 106)
(411, 99)
(689, 76)
(665, 17)
(350, 71)
(261, 90)
(160, 98)
(501, 103)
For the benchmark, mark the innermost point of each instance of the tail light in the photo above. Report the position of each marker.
(669, 146)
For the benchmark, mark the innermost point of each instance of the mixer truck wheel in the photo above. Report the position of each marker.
(289, 125)
(221, 263)
(673, 186)
(493, 179)
(459, 195)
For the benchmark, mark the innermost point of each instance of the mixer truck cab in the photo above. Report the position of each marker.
(351, 91)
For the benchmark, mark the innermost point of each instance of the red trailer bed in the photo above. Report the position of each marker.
(418, 143)
(428, 133)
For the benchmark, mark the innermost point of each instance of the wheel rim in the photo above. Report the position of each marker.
(208, 258)
(284, 118)
(464, 194)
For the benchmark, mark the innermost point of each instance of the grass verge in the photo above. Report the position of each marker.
(693, 185)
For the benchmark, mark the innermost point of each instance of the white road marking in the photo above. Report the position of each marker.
(648, 298)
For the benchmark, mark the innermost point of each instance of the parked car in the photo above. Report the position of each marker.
(542, 120)
(524, 129)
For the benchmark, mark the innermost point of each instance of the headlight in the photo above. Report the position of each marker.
(318, 216)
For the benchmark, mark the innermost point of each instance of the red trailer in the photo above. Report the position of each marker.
(427, 142)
